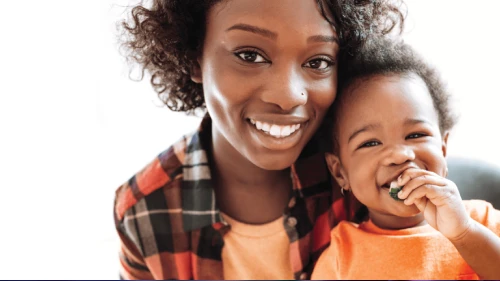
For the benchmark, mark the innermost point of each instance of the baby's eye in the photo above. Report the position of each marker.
(319, 63)
(250, 56)
(369, 144)
(415, 136)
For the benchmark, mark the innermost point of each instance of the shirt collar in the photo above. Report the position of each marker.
(199, 207)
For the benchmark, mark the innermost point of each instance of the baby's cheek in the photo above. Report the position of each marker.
(440, 165)
(360, 178)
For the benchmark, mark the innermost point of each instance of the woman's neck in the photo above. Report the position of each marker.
(245, 191)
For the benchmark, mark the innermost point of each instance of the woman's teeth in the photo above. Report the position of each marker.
(278, 131)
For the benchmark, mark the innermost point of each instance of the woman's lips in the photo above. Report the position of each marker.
(277, 131)
(275, 142)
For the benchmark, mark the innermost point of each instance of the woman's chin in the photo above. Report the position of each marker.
(275, 161)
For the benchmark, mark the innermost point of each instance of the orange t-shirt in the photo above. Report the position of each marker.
(366, 251)
(256, 251)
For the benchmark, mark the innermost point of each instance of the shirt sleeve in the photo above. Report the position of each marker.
(327, 267)
(132, 265)
(484, 213)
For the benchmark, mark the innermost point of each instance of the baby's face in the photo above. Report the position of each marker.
(387, 124)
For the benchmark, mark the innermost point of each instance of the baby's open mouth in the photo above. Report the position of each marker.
(394, 189)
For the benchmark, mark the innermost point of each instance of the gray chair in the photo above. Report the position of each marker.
(475, 179)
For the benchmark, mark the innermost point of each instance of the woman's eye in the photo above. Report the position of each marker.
(250, 56)
(369, 144)
(415, 136)
(319, 64)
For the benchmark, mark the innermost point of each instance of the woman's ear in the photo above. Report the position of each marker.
(337, 171)
(444, 144)
(196, 75)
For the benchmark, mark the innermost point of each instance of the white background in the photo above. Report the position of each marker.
(74, 127)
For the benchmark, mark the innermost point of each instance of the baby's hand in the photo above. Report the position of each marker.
(437, 198)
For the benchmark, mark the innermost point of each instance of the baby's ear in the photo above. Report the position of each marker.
(337, 171)
(444, 143)
(196, 72)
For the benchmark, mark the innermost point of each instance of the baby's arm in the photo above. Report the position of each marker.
(480, 248)
(439, 200)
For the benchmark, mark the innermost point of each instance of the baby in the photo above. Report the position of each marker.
(389, 129)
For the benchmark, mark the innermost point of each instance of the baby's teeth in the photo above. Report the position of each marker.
(258, 124)
(394, 184)
(275, 130)
(252, 121)
(265, 127)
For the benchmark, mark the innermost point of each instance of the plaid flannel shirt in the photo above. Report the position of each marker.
(170, 227)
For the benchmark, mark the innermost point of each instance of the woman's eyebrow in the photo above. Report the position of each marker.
(323, 38)
(254, 29)
(273, 35)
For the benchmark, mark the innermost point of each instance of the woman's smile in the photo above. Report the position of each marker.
(277, 132)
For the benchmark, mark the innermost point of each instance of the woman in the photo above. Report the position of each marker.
(234, 200)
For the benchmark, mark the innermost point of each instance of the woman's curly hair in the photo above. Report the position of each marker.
(165, 39)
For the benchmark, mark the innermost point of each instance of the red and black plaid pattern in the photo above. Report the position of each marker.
(170, 228)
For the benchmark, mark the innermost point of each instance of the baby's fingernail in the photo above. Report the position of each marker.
(400, 179)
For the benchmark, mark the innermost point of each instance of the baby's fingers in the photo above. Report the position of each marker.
(425, 190)
(425, 179)
(437, 194)
(412, 173)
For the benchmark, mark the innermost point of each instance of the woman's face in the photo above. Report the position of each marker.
(269, 74)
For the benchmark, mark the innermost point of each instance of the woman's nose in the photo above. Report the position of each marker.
(398, 154)
(289, 90)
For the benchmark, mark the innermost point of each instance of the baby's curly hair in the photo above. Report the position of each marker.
(166, 38)
(383, 56)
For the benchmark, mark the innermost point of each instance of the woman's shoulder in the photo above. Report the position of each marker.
(159, 181)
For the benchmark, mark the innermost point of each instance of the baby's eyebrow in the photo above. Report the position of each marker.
(412, 121)
(363, 129)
